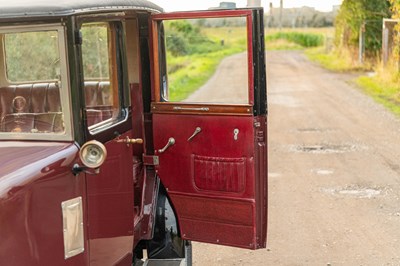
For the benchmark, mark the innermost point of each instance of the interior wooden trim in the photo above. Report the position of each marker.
(156, 63)
(202, 109)
(112, 38)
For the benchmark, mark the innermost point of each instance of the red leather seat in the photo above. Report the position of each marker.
(43, 101)
(31, 108)
(21, 122)
(53, 98)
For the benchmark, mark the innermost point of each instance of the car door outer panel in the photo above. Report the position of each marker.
(111, 206)
(33, 184)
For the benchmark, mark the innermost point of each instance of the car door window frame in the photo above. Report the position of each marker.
(108, 130)
(161, 106)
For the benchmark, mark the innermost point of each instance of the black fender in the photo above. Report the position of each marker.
(166, 242)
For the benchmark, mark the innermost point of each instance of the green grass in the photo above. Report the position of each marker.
(384, 88)
(296, 39)
(332, 60)
(302, 39)
(338, 61)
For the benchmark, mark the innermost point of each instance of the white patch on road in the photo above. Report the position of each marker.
(273, 175)
(325, 148)
(363, 193)
(322, 171)
(354, 192)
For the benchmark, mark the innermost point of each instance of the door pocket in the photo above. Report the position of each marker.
(219, 174)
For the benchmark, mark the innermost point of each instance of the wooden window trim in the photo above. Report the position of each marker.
(201, 108)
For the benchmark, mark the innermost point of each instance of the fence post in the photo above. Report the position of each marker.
(385, 45)
(361, 44)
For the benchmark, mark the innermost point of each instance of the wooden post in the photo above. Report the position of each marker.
(280, 15)
(385, 45)
(361, 44)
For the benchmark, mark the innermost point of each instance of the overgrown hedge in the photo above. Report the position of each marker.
(303, 39)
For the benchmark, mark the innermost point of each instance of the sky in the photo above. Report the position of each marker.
(179, 5)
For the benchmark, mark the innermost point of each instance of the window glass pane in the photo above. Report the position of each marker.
(206, 61)
(95, 50)
(32, 56)
(100, 75)
(31, 100)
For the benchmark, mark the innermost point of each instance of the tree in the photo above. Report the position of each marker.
(395, 8)
(396, 15)
(361, 14)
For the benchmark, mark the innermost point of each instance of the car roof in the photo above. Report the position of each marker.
(62, 8)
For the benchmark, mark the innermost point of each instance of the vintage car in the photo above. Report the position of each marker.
(102, 160)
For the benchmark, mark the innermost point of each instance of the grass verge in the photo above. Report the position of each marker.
(336, 61)
(290, 40)
(384, 88)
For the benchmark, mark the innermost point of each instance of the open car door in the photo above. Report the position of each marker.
(209, 123)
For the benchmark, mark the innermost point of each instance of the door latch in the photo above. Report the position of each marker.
(150, 160)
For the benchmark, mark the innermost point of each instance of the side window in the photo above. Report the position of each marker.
(203, 56)
(32, 93)
(42, 66)
(101, 78)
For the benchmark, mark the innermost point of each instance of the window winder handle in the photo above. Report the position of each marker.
(197, 131)
(171, 142)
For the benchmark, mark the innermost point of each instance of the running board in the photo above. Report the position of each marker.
(165, 262)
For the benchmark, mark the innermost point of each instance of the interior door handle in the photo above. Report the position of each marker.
(204, 109)
(171, 141)
(196, 131)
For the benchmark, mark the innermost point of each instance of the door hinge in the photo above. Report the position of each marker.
(150, 160)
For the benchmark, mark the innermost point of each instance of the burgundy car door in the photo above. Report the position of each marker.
(110, 191)
(211, 144)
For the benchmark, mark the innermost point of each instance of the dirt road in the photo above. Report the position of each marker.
(230, 79)
(334, 174)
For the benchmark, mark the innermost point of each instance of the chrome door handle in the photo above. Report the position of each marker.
(196, 131)
(171, 141)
